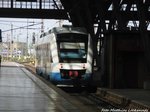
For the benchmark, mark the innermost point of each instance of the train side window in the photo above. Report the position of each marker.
(47, 50)
(50, 54)
(51, 58)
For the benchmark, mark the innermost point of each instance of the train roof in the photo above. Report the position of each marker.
(65, 29)
(68, 29)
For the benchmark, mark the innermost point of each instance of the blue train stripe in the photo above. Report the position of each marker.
(55, 77)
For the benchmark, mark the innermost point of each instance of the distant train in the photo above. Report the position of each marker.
(64, 56)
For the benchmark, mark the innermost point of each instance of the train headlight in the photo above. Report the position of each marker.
(61, 66)
(84, 66)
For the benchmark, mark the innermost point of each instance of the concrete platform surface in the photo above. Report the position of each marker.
(128, 98)
(139, 95)
(21, 91)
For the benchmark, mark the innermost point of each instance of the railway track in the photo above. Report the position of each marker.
(93, 101)
(100, 101)
(89, 100)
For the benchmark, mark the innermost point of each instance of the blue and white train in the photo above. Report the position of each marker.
(64, 56)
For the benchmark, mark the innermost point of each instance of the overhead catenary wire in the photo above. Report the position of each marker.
(22, 27)
(16, 21)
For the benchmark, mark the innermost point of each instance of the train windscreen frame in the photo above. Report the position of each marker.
(72, 47)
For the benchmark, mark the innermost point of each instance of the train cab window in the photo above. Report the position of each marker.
(72, 50)
(72, 47)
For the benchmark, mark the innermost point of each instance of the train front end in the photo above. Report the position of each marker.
(75, 59)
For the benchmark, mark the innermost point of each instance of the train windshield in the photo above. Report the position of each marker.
(72, 47)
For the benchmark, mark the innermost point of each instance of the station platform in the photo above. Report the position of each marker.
(126, 98)
(21, 91)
